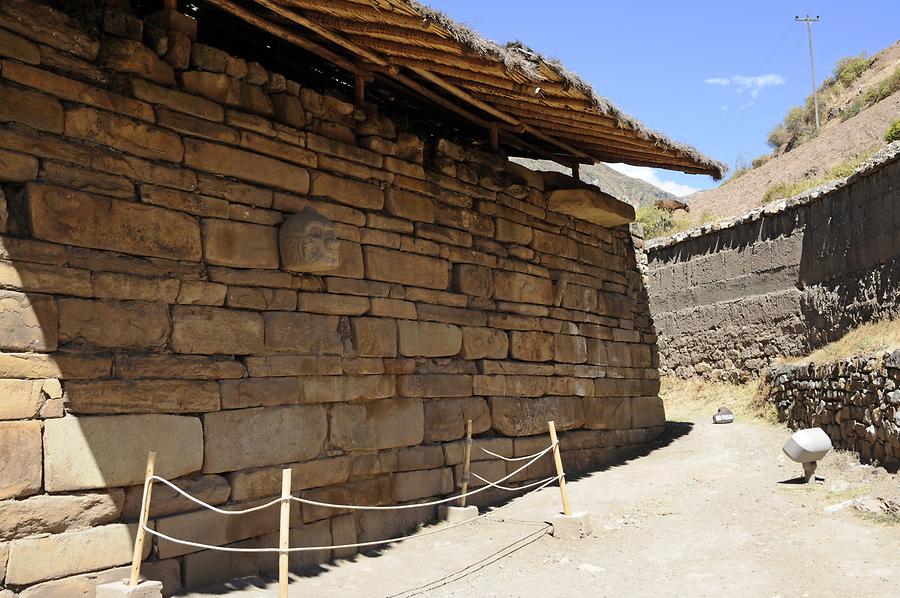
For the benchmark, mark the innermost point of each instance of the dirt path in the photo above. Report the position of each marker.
(705, 514)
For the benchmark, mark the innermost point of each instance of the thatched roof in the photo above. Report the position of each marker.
(529, 103)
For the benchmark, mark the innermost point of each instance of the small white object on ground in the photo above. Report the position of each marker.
(457, 514)
(724, 415)
(571, 527)
(807, 447)
(121, 589)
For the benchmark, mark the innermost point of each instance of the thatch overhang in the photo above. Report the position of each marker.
(518, 100)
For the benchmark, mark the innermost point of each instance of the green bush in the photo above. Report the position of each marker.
(893, 132)
(838, 171)
(760, 160)
(888, 86)
(656, 222)
(850, 68)
(778, 136)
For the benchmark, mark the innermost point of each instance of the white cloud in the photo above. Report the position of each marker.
(649, 175)
(742, 83)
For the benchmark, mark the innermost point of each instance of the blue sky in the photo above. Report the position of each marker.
(717, 75)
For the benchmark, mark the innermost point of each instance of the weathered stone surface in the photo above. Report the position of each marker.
(333, 389)
(428, 339)
(531, 346)
(210, 330)
(288, 110)
(347, 191)
(245, 165)
(512, 232)
(84, 586)
(207, 58)
(226, 90)
(592, 205)
(393, 308)
(434, 385)
(570, 349)
(647, 412)
(607, 413)
(211, 489)
(44, 24)
(308, 243)
(51, 514)
(57, 365)
(372, 425)
(411, 485)
(522, 288)
(445, 419)
(239, 244)
(48, 557)
(243, 438)
(515, 416)
(380, 525)
(28, 322)
(303, 333)
(411, 458)
(473, 280)
(372, 491)
(142, 396)
(36, 110)
(132, 56)
(294, 365)
(20, 399)
(99, 452)
(409, 206)
(484, 343)
(266, 481)
(84, 179)
(16, 168)
(113, 324)
(406, 268)
(20, 469)
(374, 337)
(19, 48)
(124, 134)
(337, 305)
(115, 285)
(259, 392)
(63, 216)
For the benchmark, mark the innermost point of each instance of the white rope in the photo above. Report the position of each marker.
(341, 546)
(210, 507)
(511, 488)
(329, 505)
(511, 459)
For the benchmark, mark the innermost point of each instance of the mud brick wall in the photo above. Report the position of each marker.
(729, 298)
(204, 258)
(856, 401)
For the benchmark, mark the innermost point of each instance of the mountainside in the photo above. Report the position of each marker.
(635, 191)
(842, 140)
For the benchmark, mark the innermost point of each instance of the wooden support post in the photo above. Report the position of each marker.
(145, 515)
(359, 91)
(575, 172)
(495, 136)
(170, 4)
(559, 469)
(466, 463)
(284, 535)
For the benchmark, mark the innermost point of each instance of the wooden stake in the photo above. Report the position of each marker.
(145, 514)
(466, 463)
(575, 173)
(359, 91)
(284, 539)
(495, 136)
(171, 4)
(559, 469)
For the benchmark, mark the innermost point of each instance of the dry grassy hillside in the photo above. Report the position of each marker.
(838, 142)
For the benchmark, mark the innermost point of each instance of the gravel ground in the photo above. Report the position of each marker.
(708, 511)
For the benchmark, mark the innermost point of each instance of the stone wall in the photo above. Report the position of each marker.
(856, 401)
(206, 259)
(729, 298)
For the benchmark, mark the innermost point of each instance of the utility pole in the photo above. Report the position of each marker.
(812, 65)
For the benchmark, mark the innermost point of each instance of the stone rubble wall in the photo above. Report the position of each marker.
(145, 305)
(730, 298)
(855, 400)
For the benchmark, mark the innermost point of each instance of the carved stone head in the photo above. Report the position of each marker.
(308, 243)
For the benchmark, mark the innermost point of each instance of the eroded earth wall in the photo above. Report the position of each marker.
(728, 299)
(206, 259)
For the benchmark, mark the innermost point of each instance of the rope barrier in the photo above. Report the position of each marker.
(512, 488)
(193, 499)
(510, 459)
(159, 534)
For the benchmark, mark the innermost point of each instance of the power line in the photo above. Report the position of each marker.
(809, 21)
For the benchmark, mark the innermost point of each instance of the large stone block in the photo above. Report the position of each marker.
(647, 412)
(434, 385)
(177, 100)
(410, 206)
(212, 330)
(20, 460)
(515, 416)
(28, 322)
(142, 396)
(53, 514)
(114, 324)
(428, 339)
(336, 389)
(445, 419)
(242, 438)
(522, 288)
(227, 90)
(239, 244)
(347, 191)
(47, 25)
(406, 268)
(531, 346)
(294, 365)
(607, 413)
(373, 425)
(132, 56)
(85, 585)
(48, 557)
(570, 349)
(266, 481)
(412, 485)
(374, 337)
(124, 134)
(484, 343)
(75, 218)
(259, 392)
(101, 452)
(303, 333)
(36, 110)
(17, 168)
(245, 165)
(184, 367)
(477, 281)
(20, 399)
(211, 489)
(57, 365)
(370, 491)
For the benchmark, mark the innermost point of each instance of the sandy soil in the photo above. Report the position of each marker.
(709, 511)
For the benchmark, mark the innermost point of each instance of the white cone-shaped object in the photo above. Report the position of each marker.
(806, 446)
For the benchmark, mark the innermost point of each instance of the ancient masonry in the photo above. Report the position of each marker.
(203, 258)
(856, 401)
(730, 298)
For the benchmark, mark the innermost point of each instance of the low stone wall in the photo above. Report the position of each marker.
(729, 298)
(856, 401)
(210, 260)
